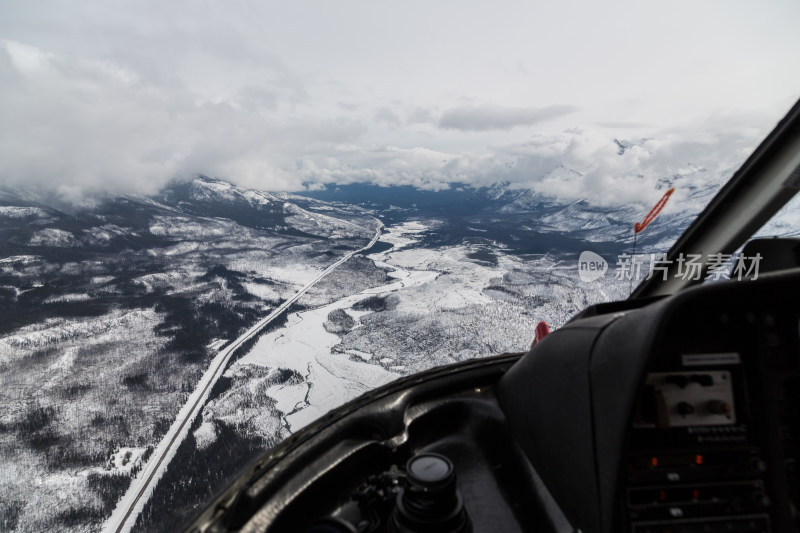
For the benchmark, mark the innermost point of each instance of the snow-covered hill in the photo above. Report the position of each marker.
(110, 314)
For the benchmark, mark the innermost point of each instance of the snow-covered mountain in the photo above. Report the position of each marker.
(131, 221)
(208, 197)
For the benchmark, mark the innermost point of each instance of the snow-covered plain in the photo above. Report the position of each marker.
(438, 306)
(305, 348)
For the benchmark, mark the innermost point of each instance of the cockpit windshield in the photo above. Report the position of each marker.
(220, 221)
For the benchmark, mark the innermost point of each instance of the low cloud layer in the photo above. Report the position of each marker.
(578, 163)
(120, 98)
(76, 128)
(80, 127)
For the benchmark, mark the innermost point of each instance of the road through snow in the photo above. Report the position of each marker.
(130, 506)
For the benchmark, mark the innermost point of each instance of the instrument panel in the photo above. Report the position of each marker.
(712, 444)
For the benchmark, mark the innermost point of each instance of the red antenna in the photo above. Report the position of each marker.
(639, 226)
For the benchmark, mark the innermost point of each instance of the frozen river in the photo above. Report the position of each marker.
(303, 345)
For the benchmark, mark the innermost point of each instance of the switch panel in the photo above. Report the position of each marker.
(680, 399)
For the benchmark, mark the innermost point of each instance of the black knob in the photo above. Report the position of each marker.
(430, 470)
(685, 408)
(430, 502)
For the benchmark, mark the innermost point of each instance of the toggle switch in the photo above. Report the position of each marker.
(718, 407)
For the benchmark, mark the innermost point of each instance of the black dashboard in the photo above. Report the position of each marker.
(669, 415)
(684, 412)
(714, 440)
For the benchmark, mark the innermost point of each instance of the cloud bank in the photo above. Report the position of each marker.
(77, 127)
(577, 163)
(121, 97)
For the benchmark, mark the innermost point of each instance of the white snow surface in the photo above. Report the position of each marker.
(333, 378)
(12, 211)
(126, 459)
(213, 190)
(216, 344)
(304, 346)
(292, 274)
(262, 290)
(101, 235)
(53, 237)
(205, 434)
(187, 228)
(785, 223)
(20, 259)
(316, 222)
(70, 297)
(425, 282)
(58, 330)
(402, 235)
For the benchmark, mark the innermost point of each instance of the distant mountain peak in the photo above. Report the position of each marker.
(204, 189)
(622, 145)
(625, 145)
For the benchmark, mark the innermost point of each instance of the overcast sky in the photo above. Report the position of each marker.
(123, 96)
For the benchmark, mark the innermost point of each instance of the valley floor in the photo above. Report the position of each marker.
(433, 307)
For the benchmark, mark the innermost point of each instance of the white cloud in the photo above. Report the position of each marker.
(495, 117)
(76, 127)
(578, 163)
(386, 115)
(123, 96)
(420, 115)
(27, 59)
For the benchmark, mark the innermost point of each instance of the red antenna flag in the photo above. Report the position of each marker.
(639, 226)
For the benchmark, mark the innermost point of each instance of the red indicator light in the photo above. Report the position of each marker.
(698, 459)
(695, 494)
(718, 407)
(654, 461)
(662, 495)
